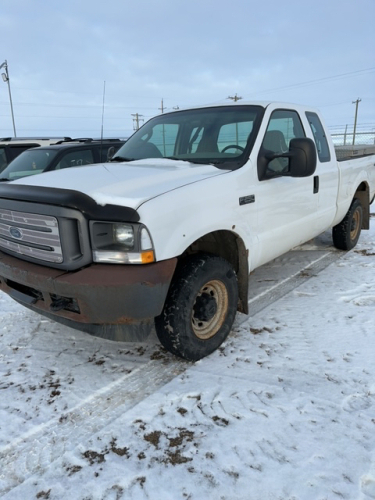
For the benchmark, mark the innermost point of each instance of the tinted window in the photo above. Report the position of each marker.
(76, 159)
(33, 161)
(319, 137)
(3, 159)
(15, 150)
(11, 151)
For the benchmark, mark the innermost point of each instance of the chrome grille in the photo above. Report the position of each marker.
(32, 235)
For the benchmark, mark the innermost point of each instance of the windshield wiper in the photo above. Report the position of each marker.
(197, 162)
(4, 179)
(121, 158)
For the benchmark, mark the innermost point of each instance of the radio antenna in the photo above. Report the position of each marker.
(101, 135)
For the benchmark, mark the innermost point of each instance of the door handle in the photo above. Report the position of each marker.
(316, 184)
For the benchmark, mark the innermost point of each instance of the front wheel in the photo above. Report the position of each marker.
(200, 307)
(346, 233)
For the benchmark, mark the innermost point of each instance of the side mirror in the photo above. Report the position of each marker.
(110, 153)
(302, 157)
(301, 160)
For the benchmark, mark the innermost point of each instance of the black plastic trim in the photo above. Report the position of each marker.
(68, 198)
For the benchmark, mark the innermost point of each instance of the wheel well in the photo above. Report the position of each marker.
(229, 246)
(363, 195)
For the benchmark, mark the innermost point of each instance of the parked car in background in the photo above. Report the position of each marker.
(64, 154)
(11, 147)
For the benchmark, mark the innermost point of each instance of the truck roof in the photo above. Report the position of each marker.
(242, 102)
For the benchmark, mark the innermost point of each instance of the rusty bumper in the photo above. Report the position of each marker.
(101, 299)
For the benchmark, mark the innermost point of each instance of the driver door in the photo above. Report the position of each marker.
(286, 205)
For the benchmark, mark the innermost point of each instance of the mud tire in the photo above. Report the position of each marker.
(346, 234)
(200, 307)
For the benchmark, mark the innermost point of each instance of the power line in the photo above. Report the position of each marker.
(48, 105)
(318, 80)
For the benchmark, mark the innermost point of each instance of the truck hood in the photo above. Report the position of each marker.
(125, 184)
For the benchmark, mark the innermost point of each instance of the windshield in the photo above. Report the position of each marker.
(221, 135)
(30, 162)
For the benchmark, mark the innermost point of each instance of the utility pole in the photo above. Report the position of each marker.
(136, 121)
(5, 77)
(235, 97)
(355, 118)
(162, 106)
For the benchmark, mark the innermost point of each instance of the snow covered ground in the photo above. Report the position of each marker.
(284, 410)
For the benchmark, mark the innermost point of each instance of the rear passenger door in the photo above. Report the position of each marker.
(326, 174)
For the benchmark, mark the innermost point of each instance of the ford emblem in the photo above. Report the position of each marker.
(16, 232)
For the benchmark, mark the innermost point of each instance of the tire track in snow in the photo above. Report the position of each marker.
(35, 450)
(277, 291)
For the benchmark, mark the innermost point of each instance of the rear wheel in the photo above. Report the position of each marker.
(200, 307)
(346, 233)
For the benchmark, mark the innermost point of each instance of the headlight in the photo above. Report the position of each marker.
(121, 243)
(124, 234)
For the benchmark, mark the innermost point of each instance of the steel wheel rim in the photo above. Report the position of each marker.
(355, 225)
(206, 329)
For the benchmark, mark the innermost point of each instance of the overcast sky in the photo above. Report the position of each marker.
(63, 55)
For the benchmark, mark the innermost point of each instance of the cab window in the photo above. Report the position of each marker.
(319, 137)
(284, 125)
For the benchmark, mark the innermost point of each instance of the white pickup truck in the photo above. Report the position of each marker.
(169, 231)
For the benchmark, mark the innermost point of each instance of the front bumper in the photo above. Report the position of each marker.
(107, 300)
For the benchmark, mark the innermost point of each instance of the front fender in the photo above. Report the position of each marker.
(176, 222)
